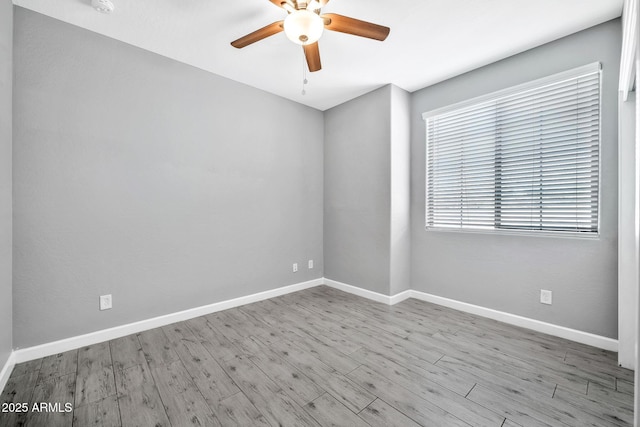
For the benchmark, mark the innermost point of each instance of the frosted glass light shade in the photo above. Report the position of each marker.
(104, 6)
(303, 27)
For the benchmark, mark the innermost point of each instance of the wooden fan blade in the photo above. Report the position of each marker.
(344, 24)
(278, 2)
(258, 35)
(312, 53)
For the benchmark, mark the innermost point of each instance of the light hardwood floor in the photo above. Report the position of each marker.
(324, 357)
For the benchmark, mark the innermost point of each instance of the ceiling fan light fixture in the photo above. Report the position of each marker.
(103, 6)
(314, 5)
(303, 27)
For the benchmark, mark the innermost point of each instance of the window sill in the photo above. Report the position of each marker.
(544, 234)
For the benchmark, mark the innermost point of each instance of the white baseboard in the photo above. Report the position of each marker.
(48, 349)
(374, 296)
(5, 373)
(399, 297)
(525, 322)
(512, 319)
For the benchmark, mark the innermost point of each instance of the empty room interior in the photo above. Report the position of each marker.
(319, 213)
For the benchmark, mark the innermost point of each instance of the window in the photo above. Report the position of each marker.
(522, 159)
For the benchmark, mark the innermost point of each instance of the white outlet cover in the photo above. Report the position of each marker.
(295, 267)
(546, 297)
(310, 263)
(105, 302)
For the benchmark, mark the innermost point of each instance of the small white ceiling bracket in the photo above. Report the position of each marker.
(104, 6)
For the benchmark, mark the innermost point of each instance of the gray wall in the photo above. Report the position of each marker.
(357, 191)
(6, 43)
(506, 272)
(366, 191)
(400, 238)
(161, 184)
(628, 261)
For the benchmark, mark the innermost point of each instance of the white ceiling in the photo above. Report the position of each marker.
(430, 40)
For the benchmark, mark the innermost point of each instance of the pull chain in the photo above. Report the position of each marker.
(304, 73)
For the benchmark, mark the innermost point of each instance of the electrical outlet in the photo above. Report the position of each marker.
(295, 267)
(105, 302)
(310, 263)
(545, 296)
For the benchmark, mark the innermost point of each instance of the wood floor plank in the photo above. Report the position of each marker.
(380, 414)
(276, 406)
(156, 346)
(374, 317)
(320, 306)
(337, 360)
(142, 406)
(26, 368)
(507, 384)
(260, 330)
(589, 351)
(58, 365)
(171, 378)
(591, 410)
(414, 407)
(512, 342)
(437, 374)
(604, 394)
(18, 390)
(440, 396)
(292, 381)
(439, 316)
(95, 379)
(557, 411)
(586, 363)
(375, 339)
(321, 329)
(339, 386)
(132, 378)
(624, 387)
(212, 339)
(237, 410)
(396, 321)
(176, 332)
(385, 320)
(497, 362)
(527, 353)
(54, 397)
(277, 318)
(327, 411)
(510, 408)
(224, 322)
(261, 312)
(212, 381)
(424, 323)
(126, 352)
(101, 413)
(182, 401)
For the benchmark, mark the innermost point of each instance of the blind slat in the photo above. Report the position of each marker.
(528, 160)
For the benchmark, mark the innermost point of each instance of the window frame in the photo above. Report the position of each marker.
(592, 68)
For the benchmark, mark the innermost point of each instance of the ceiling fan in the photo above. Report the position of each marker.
(304, 25)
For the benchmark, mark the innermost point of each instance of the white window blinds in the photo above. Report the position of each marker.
(522, 159)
